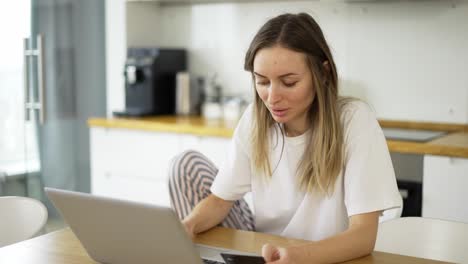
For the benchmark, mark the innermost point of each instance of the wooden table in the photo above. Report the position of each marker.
(63, 247)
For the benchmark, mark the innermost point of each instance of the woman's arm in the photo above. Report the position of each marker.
(207, 214)
(357, 241)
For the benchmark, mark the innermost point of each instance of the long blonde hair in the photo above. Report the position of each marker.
(323, 157)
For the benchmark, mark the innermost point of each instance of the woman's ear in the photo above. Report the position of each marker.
(326, 72)
(326, 65)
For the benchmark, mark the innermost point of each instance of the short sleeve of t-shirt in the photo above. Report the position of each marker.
(369, 177)
(233, 180)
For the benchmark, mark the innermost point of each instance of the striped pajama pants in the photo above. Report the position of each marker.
(190, 177)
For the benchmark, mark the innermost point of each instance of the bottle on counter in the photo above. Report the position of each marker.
(183, 98)
(199, 96)
(212, 107)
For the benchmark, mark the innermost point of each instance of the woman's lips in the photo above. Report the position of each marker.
(279, 112)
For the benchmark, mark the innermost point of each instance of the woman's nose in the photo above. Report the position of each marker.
(274, 94)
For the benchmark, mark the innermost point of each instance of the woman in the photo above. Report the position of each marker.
(317, 164)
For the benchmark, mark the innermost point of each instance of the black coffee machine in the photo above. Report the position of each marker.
(150, 80)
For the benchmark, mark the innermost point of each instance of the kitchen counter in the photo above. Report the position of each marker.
(453, 144)
(194, 125)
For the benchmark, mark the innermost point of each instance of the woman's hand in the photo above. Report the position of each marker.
(277, 255)
(206, 214)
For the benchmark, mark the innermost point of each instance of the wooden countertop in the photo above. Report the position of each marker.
(454, 144)
(194, 125)
(63, 247)
(449, 127)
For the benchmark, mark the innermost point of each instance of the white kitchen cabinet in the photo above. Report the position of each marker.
(445, 185)
(214, 148)
(133, 164)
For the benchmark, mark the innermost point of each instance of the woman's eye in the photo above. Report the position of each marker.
(290, 84)
(262, 83)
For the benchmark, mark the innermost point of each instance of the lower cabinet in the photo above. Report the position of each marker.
(445, 185)
(133, 164)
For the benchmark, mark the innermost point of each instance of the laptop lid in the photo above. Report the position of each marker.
(118, 231)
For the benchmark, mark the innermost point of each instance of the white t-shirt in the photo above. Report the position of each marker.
(367, 182)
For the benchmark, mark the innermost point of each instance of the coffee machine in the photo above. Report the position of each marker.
(150, 81)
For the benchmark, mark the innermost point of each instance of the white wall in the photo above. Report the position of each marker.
(408, 59)
(143, 23)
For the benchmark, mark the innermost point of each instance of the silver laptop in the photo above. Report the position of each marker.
(119, 231)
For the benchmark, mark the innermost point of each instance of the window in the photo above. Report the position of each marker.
(18, 144)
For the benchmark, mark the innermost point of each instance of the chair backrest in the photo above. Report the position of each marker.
(20, 218)
(424, 238)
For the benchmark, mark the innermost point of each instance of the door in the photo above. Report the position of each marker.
(57, 83)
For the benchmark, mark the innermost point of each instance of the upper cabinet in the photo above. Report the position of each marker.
(178, 2)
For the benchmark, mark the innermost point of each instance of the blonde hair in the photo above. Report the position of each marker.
(323, 156)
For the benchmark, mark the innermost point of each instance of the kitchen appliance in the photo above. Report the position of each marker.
(212, 107)
(150, 80)
(409, 175)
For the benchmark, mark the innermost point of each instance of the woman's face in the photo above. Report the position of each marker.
(284, 83)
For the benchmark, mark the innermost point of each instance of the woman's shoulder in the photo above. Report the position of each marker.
(357, 114)
(350, 106)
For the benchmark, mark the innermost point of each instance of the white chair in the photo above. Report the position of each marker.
(424, 238)
(20, 218)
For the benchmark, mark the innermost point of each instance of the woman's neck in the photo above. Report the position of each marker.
(294, 130)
